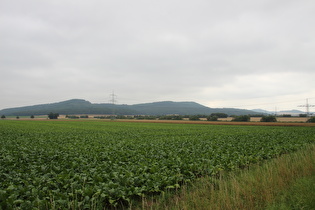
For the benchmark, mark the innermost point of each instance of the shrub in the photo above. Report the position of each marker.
(3, 117)
(286, 115)
(194, 117)
(171, 117)
(311, 120)
(212, 118)
(219, 115)
(269, 118)
(241, 118)
(72, 117)
(53, 115)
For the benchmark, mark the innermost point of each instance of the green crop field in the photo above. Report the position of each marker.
(94, 164)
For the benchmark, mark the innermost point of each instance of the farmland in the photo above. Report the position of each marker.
(92, 164)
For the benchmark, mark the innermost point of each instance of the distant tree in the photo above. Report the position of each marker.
(53, 115)
(241, 118)
(269, 118)
(212, 118)
(177, 117)
(219, 115)
(17, 117)
(145, 117)
(32, 117)
(194, 117)
(302, 115)
(311, 120)
(3, 117)
(72, 117)
(171, 117)
(286, 115)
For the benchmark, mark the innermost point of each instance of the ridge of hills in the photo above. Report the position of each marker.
(81, 106)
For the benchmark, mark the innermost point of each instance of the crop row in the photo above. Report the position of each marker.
(53, 164)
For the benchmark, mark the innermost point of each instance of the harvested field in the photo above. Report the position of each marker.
(281, 121)
(223, 122)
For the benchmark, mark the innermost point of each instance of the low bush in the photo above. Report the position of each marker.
(311, 120)
(241, 118)
(212, 118)
(269, 118)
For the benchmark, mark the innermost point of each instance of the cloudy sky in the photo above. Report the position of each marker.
(220, 53)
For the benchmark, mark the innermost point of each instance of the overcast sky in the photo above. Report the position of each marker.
(220, 53)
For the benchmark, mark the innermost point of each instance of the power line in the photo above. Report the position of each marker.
(113, 98)
(113, 102)
(307, 106)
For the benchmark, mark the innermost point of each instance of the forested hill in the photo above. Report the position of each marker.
(80, 106)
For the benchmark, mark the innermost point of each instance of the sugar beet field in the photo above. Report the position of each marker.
(96, 164)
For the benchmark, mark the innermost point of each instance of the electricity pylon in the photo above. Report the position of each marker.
(113, 101)
(307, 106)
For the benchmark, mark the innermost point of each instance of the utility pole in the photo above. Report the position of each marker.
(307, 106)
(113, 101)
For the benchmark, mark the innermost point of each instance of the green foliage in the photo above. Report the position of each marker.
(72, 117)
(53, 115)
(92, 164)
(212, 118)
(32, 117)
(145, 117)
(269, 118)
(215, 116)
(311, 120)
(220, 115)
(3, 116)
(171, 117)
(241, 118)
(286, 115)
(194, 117)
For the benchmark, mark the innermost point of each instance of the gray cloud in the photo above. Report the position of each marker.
(212, 52)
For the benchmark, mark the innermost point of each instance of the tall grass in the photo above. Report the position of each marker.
(253, 188)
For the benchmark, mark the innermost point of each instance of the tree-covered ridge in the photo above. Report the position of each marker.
(80, 106)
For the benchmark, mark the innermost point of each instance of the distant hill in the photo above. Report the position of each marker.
(80, 106)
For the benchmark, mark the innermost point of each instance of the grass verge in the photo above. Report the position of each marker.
(300, 195)
(286, 182)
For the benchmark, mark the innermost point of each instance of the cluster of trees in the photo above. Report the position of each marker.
(215, 116)
(171, 117)
(311, 120)
(76, 117)
(269, 118)
(52, 115)
(241, 118)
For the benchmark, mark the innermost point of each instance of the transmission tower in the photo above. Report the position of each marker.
(113, 102)
(307, 106)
